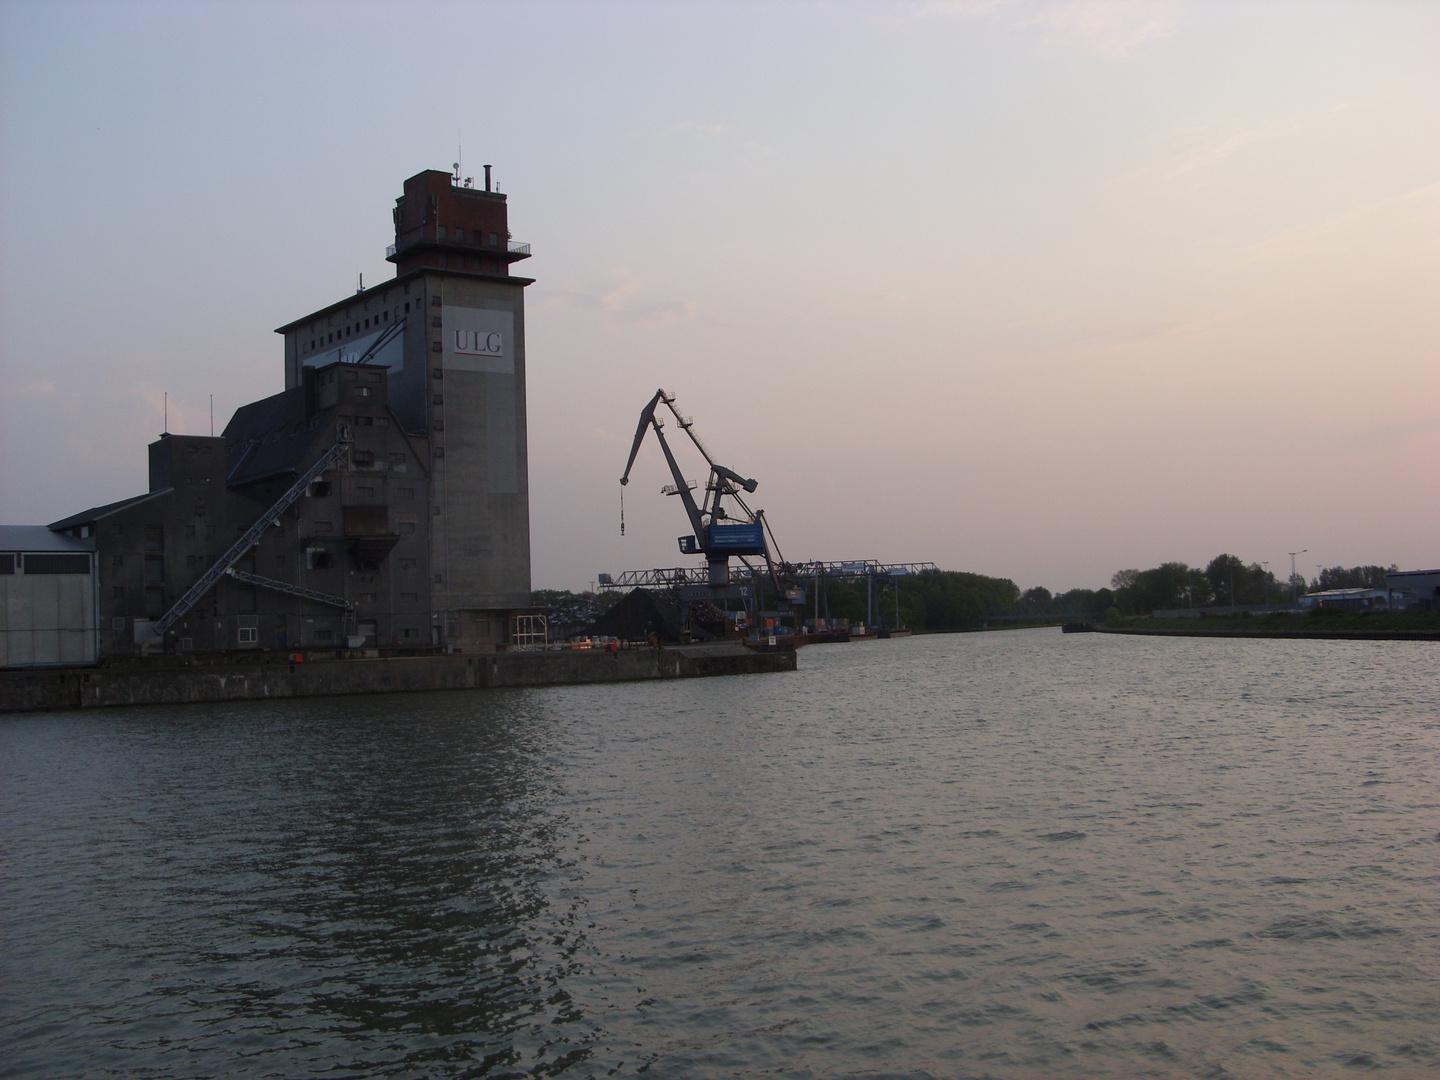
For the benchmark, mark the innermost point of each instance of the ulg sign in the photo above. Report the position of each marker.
(478, 343)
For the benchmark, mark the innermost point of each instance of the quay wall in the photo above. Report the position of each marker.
(169, 683)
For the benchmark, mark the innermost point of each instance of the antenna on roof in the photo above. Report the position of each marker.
(362, 283)
(167, 414)
(212, 416)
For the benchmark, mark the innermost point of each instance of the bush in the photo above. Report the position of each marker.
(1111, 616)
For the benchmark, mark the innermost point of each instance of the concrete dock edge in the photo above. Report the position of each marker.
(33, 690)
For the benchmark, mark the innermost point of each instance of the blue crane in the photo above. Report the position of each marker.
(718, 533)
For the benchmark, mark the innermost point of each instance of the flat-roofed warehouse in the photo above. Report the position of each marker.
(47, 597)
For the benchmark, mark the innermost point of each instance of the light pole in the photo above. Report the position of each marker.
(1294, 595)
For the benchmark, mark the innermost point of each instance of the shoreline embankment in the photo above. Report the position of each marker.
(166, 683)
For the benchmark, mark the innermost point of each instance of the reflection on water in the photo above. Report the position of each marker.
(1006, 855)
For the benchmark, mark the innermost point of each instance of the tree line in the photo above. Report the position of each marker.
(941, 600)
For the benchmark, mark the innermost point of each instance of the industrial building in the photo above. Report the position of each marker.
(380, 501)
(47, 598)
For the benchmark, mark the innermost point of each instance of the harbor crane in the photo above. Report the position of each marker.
(718, 532)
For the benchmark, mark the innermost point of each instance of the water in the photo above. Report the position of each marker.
(995, 855)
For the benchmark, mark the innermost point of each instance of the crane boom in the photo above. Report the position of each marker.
(717, 535)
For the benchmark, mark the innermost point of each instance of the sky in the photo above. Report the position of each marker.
(1040, 290)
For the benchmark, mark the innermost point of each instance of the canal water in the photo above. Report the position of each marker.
(1008, 855)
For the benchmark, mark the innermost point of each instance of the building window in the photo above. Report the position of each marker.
(435, 301)
(435, 347)
(154, 538)
(364, 489)
(437, 373)
(397, 457)
(117, 622)
(324, 526)
(154, 600)
(321, 635)
(154, 568)
(494, 240)
(409, 598)
(439, 399)
(439, 425)
(407, 564)
(404, 493)
(190, 529)
(435, 321)
(367, 598)
(362, 391)
(117, 561)
(410, 633)
(439, 579)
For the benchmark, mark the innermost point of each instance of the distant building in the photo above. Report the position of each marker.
(1414, 590)
(1348, 599)
(405, 401)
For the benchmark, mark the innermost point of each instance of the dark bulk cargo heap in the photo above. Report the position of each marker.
(376, 509)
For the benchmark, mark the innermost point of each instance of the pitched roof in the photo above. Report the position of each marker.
(95, 513)
(272, 437)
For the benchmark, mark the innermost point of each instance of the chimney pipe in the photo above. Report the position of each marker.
(487, 177)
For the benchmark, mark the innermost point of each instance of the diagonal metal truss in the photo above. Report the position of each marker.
(290, 590)
(251, 536)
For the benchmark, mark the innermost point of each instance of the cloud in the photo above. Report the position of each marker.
(1408, 211)
(1387, 437)
(1109, 28)
(624, 302)
(1198, 147)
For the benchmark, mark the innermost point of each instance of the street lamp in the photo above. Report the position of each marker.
(1294, 594)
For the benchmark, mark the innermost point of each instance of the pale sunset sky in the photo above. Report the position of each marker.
(1033, 289)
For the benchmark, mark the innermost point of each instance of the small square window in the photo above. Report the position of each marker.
(437, 373)
(439, 399)
(435, 301)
